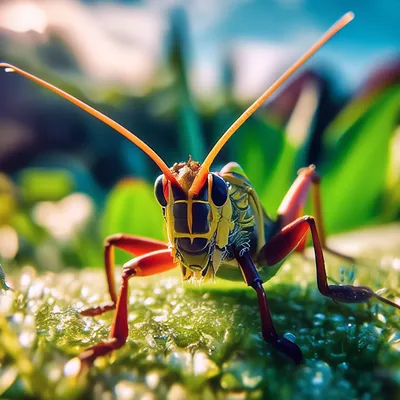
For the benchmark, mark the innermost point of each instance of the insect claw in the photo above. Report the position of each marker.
(128, 271)
(387, 301)
(290, 349)
(93, 311)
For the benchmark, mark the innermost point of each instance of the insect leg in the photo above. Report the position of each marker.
(269, 333)
(135, 245)
(148, 264)
(293, 203)
(285, 241)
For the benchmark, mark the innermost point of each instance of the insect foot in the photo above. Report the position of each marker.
(350, 294)
(98, 310)
(290, 349)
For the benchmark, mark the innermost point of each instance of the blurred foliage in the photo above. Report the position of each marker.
(360, 158)
(39, 185)
(51, 152)
(131, 208)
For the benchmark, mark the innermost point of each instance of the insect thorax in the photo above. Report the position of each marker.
(244, 233)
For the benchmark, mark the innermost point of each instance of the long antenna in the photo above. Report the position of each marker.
(203, 172)
(97, 114)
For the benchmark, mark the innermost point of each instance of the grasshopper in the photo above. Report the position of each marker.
(216, 225)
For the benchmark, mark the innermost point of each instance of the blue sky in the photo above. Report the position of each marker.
(293, 25)
(123, 41)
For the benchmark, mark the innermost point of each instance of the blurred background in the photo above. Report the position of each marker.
(178, 73)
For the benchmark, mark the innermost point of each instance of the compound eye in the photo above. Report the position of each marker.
(159, 191)
(219, 191)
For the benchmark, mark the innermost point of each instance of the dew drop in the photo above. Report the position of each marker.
(72, 367)
(289, 336)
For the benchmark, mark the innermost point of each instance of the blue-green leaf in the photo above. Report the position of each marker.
(354, 182)
(131, 208)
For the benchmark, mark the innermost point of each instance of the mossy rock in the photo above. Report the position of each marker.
(204, 342)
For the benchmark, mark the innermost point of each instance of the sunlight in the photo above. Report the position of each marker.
(63, 219)
(8, 242)
(23, 17)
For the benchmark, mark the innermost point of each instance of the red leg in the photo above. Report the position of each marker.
(293, 203)
(149, 264)
(134, 245)
(269, 333)
(283, 243)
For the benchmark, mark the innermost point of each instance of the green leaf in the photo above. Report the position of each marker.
(38, 184)
(191, 140)
(391, 200)
(8, 201)
(131, 208)
(354, 182)
(280, 180)
(265, 155)
(27, 228)
(256, 146)
(350, 114)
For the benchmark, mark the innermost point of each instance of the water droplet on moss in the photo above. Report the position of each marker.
(318, 378)
(290, 336)
(382, 318)
(26, 339)
(152, 379)
(180, 360)
(7, 377)
(150, 341)
(149, 301)
(395, 337)
(72, 367)
(126, 390)
(177, 392)
(230, 382)
(203, 366)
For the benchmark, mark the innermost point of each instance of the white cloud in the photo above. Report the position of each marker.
(204, 79)
(257, 64)
(112, 43)
(23, 17)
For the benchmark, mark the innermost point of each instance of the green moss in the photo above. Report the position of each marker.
(199, 342)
